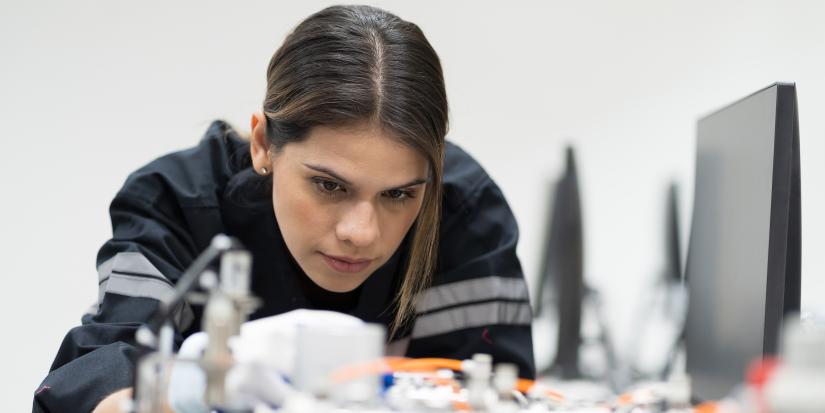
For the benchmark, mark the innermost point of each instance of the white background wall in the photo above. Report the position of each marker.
(91, 90)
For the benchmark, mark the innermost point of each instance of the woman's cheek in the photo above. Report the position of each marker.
(300, 216)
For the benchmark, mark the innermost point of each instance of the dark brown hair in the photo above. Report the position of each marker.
(350, 64)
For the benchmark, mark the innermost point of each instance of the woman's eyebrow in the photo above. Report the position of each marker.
(414, 182)
(330, 172)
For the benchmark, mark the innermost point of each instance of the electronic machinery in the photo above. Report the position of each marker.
(743, 263)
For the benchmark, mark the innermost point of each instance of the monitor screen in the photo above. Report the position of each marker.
(562, 278)
(742, 250)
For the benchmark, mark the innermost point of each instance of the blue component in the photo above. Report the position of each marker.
(387, 381)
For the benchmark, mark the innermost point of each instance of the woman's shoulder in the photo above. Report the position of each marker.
(194, 176)
(464, 179)
(476, 217)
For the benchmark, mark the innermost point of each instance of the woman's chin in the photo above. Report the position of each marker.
(338, 283)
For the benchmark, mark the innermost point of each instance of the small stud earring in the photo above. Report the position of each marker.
(264, 171)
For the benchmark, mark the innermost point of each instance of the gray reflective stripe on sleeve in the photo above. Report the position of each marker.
(478, 289)
(136, 286)
(112, 279)
(472, 315)
(128, 262)
(103, 270)
(114, 275)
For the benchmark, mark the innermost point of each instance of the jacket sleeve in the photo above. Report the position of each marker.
(478, 302)
(159, 225)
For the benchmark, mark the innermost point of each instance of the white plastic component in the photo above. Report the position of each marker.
(445, 374)
(208, 280)
(545, 337)
(166, 340)
(505, 379)
(323, 349)
(236, 267)
(221, 242)
(145, 337)
(677, 391)
(797, 384)
(187, 383)
(253, 384)
(484, 362)
(504, 383)
(272, 341)
(219, 325)
(479, 370)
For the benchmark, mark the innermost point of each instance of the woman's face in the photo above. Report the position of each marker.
(344, 198)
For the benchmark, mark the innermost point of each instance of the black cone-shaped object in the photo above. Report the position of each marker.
(562, 270)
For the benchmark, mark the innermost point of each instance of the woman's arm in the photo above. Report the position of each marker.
(113, 402)
(164, 215)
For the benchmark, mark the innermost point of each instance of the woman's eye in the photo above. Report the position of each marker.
(328, 187)
(399, 195)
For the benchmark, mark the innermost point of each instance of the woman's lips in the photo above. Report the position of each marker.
(345, 264)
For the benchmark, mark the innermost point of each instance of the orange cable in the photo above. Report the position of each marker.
(418, 365)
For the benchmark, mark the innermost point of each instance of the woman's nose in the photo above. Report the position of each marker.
(359, 225)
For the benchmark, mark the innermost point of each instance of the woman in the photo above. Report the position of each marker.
(349, 199)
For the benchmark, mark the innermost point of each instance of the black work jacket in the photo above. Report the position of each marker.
(168, 211)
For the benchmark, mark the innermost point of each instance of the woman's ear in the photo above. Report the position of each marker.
(258, 144)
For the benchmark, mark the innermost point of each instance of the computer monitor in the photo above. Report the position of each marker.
(561, 278)
(743, 259)
(673, 250)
